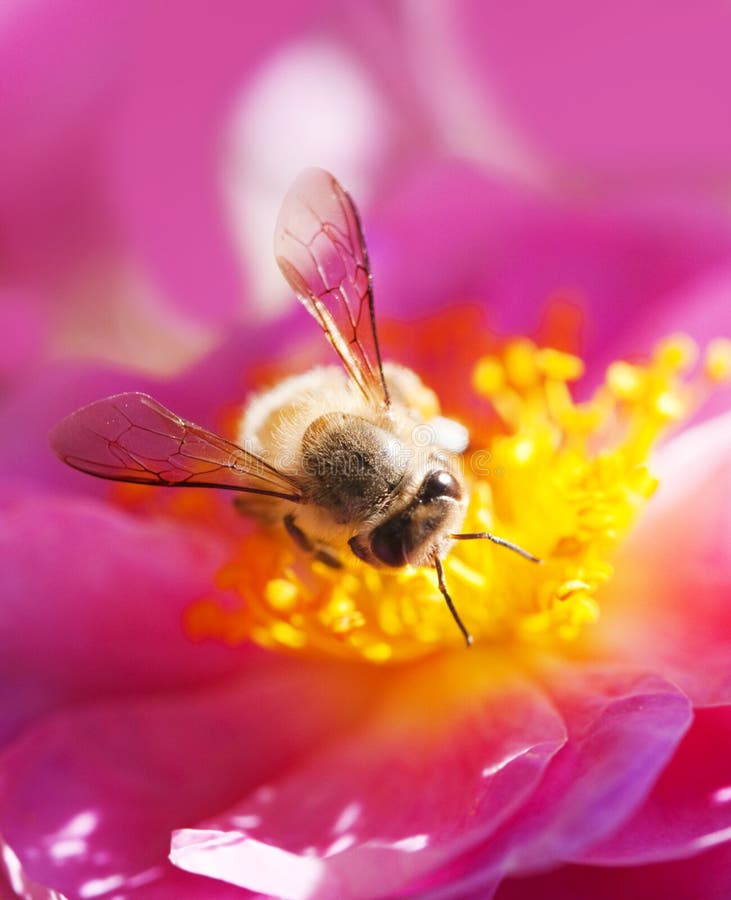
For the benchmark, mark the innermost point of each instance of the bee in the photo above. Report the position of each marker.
(352, 459)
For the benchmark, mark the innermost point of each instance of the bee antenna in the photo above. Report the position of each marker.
(488, 536)
(450, 603)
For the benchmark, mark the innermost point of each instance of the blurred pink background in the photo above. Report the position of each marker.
(145, 151)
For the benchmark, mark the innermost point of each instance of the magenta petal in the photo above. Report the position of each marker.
(90, 795)
(122, 150)
(668, 606)
(453, 747)
(220, 381)
(623, 727)
(689, 809)
(703, 877)
(93, 598)
(513, 250)
(14, 881)
(165, 882)
(624, 94)
(24, 335)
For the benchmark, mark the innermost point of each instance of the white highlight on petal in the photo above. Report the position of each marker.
(67, 849)
(247, 863)
(95, 887)
(81, 825)
(144, 877)
(348, 817)
(70, 840)
(11, 872)
(344, 842)
(13, 868)
(246, 821)
(265, 794)
(712, 839)
(411, 844)
(721, 796)
(489, 771)
(310, 105)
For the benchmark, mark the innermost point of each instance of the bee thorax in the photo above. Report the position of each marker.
(350, 466)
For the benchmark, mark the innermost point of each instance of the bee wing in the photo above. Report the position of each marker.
(131, 437)
(319, 246)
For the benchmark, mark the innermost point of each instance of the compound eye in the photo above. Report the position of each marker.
(439, 484)
(387, 542)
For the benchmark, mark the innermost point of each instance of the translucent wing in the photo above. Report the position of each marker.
(131, 437)
(319, 246)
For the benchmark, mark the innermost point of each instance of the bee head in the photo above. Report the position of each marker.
(411, 535)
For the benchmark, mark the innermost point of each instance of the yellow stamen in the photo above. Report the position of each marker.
(717, 362)
(565, 480)
(676, 353)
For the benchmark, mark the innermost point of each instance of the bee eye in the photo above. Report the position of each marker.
(387, 542)
(439, 484)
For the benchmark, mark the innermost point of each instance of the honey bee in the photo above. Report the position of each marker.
(349, 460)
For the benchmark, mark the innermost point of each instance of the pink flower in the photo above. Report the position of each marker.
(132, 140)
(303, 777)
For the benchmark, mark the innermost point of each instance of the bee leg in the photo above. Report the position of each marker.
(297, 535)
(325, 555)
(320, 551)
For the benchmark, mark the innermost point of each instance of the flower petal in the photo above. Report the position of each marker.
(451, 749)
(106, 783)
(223, 380)
(668, 605)
(15, 883)
(623, 726)
(24, 335)
(513, 250)
(689, 809)
(601, 93)
(123, 148)
(92, 599)
(706, 876)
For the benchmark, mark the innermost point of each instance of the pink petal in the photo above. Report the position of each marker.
(24, 334)
(15, 883)
(221, 381)
(668, 606)
(122, 151)
(624, 94)
(449, 751)
(512, 250)
(704, 877)
(106, 783)
(164, 882)
(59, 62)
(30, 411)
(93, 598)
(689, 809)
(623, 727)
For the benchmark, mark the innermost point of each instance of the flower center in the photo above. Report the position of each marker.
(562, 478)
